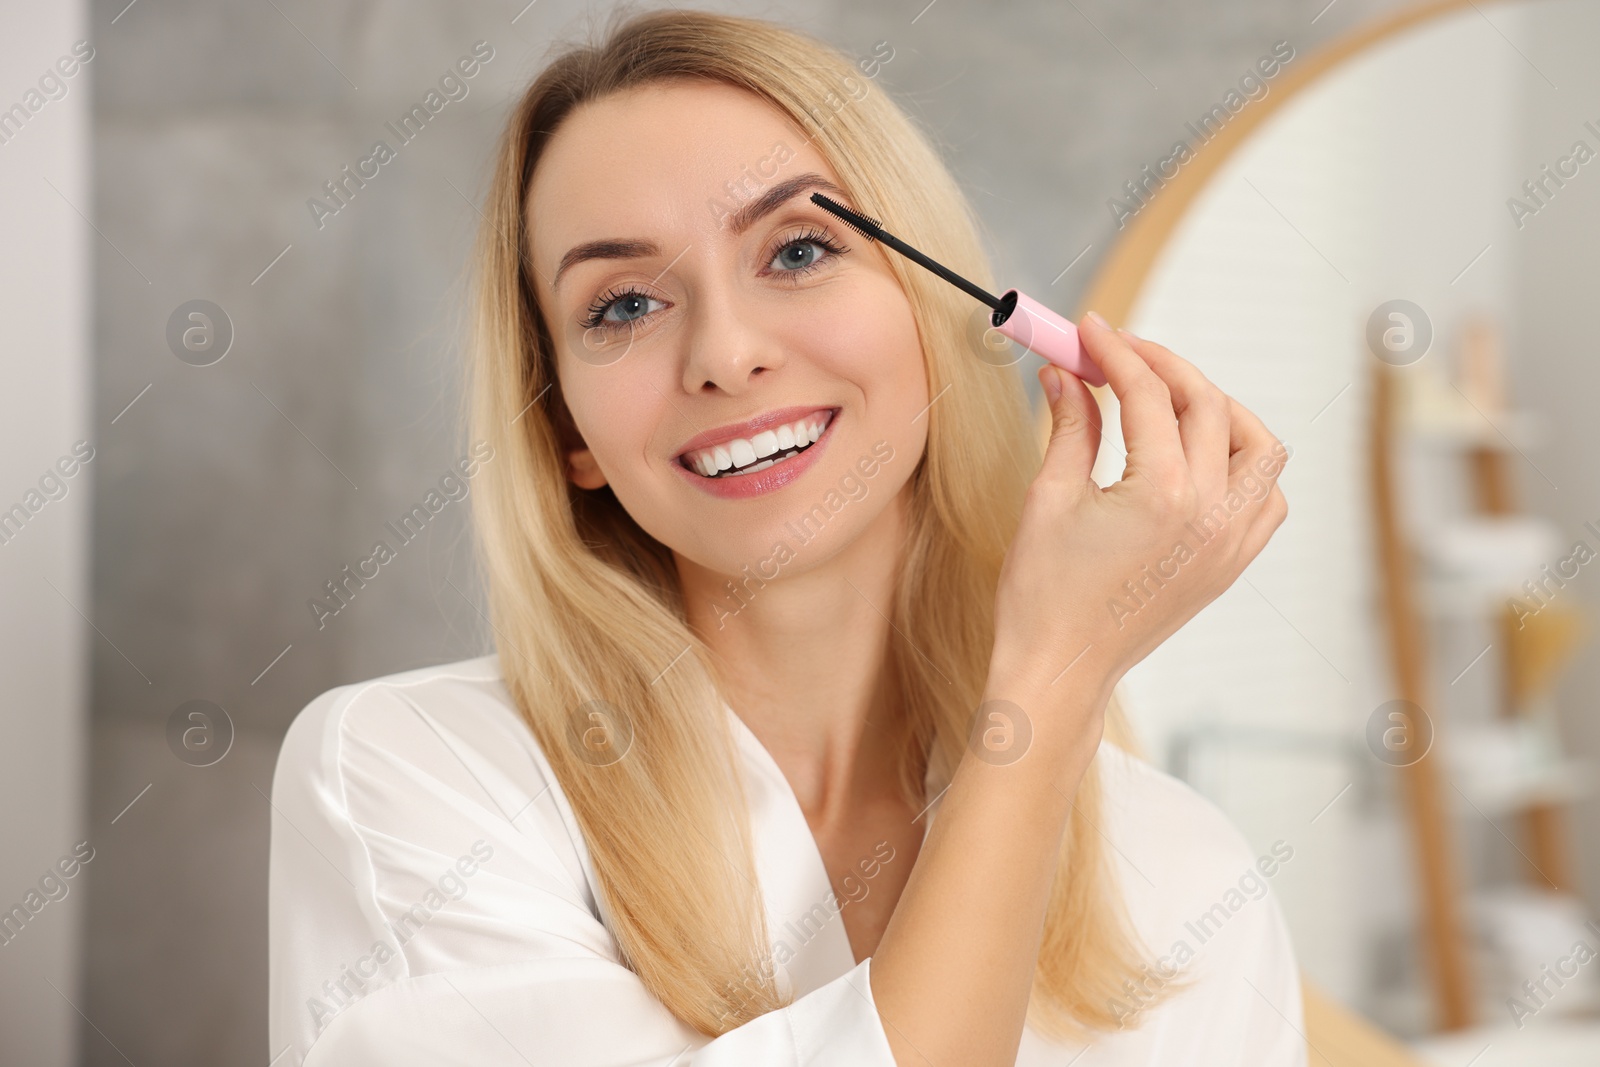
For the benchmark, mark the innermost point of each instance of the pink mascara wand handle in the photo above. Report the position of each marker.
(1043, 332)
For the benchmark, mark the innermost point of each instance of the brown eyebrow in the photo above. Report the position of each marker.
(741, 220)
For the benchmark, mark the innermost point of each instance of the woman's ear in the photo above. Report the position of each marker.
(583, 471)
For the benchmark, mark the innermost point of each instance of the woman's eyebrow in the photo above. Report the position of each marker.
(739, 221)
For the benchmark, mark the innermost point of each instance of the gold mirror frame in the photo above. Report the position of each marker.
(1120, 279)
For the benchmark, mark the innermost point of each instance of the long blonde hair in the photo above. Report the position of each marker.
(586, 607)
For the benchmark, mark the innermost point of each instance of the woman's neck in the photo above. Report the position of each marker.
(803, 661)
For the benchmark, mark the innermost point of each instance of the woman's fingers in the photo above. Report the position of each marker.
(1274, 509)
(1149, 428)
(1203, 413)
(1252, 447)
(1232, 456)
(1253, 473)
(1074, 430)
(1184, 432)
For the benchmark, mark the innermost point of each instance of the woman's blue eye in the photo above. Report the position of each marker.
(801, 261)
(631, 306)
(804, 252)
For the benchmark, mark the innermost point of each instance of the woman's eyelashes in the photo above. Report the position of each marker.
(599, 311)
(814, 238)
(633, 303)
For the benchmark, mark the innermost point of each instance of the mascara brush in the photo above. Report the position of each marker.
(1015, 314)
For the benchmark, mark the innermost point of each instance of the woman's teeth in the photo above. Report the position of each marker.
(748, 455)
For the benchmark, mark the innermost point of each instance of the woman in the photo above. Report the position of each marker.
(791, 751)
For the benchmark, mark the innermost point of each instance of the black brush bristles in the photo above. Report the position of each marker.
(872, 230)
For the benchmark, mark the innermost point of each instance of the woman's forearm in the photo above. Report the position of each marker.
(954, 968)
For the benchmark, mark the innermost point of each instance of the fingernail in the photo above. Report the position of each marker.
(1099, 319)
(1051, 380)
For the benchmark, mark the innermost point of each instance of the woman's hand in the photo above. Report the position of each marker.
(1096, 578)
(952, 975)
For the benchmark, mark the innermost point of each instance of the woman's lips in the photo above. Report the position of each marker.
(767, 420)
(768, 480)
(736, 455)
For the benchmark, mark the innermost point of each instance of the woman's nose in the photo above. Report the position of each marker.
(727, 345)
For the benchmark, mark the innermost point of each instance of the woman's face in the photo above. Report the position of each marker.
(698, 298)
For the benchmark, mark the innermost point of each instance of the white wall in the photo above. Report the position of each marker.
(44, 409)
(1556, 258)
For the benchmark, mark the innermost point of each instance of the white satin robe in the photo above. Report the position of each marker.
(431, 902)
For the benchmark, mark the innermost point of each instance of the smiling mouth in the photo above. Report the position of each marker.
(741, 456)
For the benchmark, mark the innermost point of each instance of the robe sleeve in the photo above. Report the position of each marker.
(1206, 912)
(1260, 994)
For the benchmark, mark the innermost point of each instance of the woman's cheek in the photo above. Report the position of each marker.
(856, 344)
(891, 363)
(614, 415)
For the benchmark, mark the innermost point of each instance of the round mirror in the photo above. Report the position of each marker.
(1390, 258)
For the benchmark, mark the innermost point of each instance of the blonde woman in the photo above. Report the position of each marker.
(791, 749)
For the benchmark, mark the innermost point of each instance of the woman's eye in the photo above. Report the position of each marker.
(798, 255)
(629, 306)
